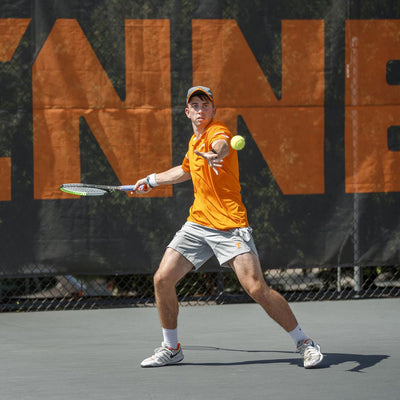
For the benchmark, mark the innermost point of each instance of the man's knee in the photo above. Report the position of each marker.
(258, 290)
(172, 269)
(166, 277)
(161, 279)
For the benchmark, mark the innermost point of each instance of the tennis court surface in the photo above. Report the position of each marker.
(231, 352)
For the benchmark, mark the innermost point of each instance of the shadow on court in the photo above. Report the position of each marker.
(363, 361)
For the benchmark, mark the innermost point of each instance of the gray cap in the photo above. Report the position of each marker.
(203, 89)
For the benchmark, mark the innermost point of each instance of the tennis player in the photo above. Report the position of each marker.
(217, 225)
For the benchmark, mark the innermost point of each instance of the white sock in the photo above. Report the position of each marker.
(297, 335)
(170, 337)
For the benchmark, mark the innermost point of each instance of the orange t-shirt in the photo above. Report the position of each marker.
(217, 199)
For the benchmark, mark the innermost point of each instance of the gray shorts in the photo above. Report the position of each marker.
(199, 243)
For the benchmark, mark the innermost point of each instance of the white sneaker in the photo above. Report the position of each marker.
(163, 356)
(311, 353)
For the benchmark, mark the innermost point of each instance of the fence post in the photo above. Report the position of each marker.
(355, 130)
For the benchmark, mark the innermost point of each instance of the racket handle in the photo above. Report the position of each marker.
(126, 188)
(129, 188)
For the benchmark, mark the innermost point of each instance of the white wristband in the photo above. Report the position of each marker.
(151, 180)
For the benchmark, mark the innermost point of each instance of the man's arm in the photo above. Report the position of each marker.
(214, 157)
(172, 176)
(169, 177)
(221, 147)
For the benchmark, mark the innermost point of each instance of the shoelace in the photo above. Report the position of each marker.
(163, 353)
(310, 353)
(304, 346)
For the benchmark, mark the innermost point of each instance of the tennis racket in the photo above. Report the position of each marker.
(85, 189)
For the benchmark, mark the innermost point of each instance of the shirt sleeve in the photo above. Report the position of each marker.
(220, 132)
(185, 164)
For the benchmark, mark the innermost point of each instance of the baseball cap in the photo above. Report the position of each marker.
(203, 89)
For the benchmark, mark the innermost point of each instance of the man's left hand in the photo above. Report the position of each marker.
(213, 159)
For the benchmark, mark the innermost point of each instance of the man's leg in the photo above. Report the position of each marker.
(248, 270)
(172, 269)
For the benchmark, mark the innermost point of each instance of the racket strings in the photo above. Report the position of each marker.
(81, 190)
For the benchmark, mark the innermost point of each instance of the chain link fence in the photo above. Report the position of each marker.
(41, 293)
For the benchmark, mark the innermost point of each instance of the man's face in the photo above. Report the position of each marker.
(200, 111)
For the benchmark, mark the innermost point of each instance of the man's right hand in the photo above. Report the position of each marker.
(141, 187)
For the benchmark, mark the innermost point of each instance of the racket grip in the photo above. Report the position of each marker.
(129, 188)
(126, 188)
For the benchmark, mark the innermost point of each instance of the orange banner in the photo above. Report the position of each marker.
(289, 131)
(372, 106)
(68, 82)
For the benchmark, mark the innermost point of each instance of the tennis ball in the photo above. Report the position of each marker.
(238, 142)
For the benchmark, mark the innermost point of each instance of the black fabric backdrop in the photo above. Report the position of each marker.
(118, 234)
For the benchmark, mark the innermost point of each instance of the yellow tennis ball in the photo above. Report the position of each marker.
(238, 142)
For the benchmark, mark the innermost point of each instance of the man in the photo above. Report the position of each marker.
(217, 225)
